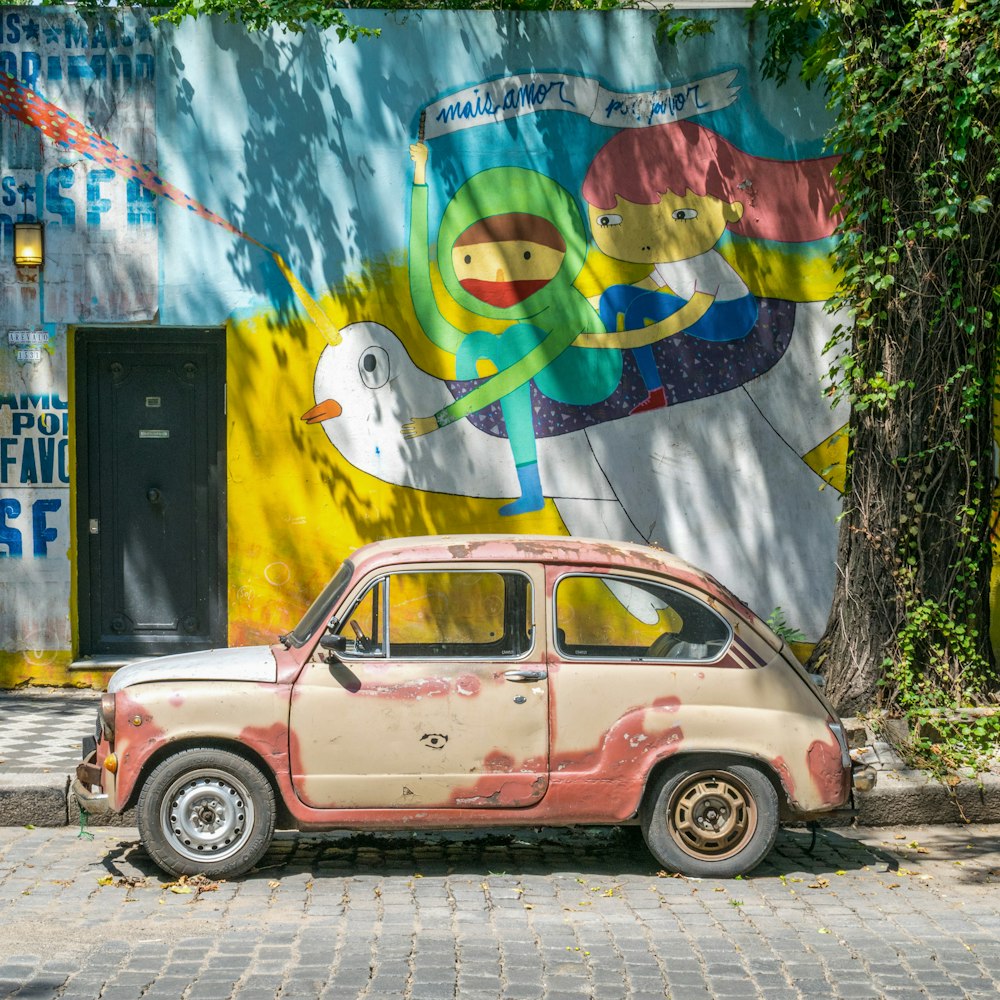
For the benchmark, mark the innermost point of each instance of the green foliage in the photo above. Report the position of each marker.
(915, 90)
(672, 27)
(777, 623)
(948, 742)
(296, 15)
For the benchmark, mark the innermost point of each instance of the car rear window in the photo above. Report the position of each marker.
(620, 618)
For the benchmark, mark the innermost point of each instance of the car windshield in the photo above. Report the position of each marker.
(320, 608)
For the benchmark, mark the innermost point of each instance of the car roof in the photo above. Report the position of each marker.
(566, 551)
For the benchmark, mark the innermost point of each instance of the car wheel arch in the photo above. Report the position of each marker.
(207, 743)
(719, 758)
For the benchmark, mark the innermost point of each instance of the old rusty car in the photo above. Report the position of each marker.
(475, 681)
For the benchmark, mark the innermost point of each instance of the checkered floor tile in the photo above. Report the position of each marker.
(44, 734)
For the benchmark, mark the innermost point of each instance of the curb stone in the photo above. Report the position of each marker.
(908, 797)
(905, 796)
(34, 800)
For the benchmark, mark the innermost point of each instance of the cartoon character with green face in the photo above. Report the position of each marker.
(510, 244)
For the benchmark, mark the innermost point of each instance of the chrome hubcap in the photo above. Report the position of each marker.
(712, 815)
(207, 814)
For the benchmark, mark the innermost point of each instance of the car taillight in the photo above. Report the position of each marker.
(106, 716)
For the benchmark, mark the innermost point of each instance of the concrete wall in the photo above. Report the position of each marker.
(201, 177)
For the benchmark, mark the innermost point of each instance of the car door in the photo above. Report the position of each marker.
(439, 698)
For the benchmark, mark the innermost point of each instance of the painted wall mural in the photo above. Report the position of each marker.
(479, 275)
(593, 322)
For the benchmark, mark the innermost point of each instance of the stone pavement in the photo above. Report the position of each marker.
(893, 914)
(41, 730)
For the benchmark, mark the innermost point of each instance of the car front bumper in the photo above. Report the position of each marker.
(88, 775)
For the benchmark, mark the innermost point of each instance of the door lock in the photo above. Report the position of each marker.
(153, 495)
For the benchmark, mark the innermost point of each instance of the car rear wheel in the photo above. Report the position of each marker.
(206, 812)
(708, 819)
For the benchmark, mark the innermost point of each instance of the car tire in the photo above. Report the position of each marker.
(206, 812)
(707, 818)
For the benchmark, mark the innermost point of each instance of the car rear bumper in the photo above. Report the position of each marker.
(863, 779)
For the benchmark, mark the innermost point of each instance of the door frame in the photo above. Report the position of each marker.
(86, 631)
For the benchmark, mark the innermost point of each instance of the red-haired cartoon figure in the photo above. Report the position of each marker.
(664, 196)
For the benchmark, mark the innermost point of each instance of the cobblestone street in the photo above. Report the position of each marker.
(546, 915)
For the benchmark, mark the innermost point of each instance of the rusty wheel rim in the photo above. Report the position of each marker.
(712, 815)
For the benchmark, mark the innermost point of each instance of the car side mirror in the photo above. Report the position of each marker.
(334, 643)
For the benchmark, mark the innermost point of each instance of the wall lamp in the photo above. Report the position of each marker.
(29, 244)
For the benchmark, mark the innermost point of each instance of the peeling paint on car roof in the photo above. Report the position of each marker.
(519, 548)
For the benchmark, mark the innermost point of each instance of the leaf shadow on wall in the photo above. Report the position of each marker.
(311, 181)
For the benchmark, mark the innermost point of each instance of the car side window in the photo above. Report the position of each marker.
(615, 618)
(363, 627)
(440, 613)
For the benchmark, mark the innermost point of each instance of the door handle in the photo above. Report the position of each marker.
(525, 676)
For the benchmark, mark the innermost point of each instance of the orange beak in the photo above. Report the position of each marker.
(326, 410)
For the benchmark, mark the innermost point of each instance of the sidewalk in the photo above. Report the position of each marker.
(41, 731)
(41, 734)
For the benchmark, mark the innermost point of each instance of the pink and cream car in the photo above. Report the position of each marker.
(475, 681)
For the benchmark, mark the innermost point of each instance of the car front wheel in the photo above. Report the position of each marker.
(206, 812)
(707, 819)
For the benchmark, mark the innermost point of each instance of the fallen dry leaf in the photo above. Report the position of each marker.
(187, 884)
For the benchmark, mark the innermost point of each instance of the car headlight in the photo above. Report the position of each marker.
(106, 718)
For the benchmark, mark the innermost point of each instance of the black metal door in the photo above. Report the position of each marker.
(151, 498)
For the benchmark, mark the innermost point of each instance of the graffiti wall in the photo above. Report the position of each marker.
(484, 273)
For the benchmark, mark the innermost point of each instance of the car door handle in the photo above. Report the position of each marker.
(525, 676)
